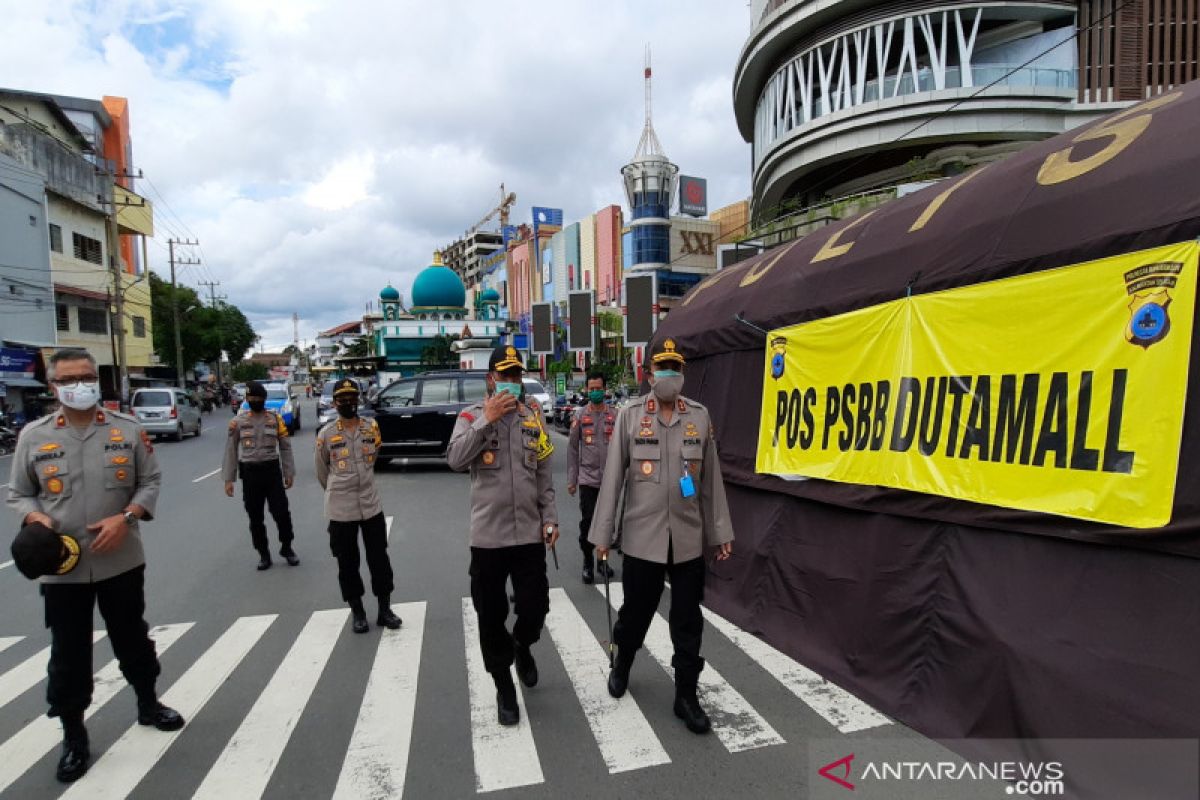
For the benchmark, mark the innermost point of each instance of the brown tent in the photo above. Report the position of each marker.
(964, 619)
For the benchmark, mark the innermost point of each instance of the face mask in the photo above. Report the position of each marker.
(347, 410)
(256, 403)
(596, 396)
(80, 396)
(515, 389)
(667, 385)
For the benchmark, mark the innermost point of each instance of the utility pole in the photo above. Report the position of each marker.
(175, 302)
(213, 297)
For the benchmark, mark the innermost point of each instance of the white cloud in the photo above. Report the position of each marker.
(319, 150)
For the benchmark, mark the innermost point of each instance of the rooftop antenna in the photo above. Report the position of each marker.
(648, 145)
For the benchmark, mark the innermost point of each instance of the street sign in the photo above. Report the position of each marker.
(560, 384)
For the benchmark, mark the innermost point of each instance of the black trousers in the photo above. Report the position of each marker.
(587, 508)
(343, 543)
(263, 483)
(69, 618)
(643, 583)
(490, 570)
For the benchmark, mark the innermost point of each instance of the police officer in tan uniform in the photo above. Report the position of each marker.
(259, 449)
(90, 474)
(663, 460)
(504, 445)
(345, 458)
(587, 449)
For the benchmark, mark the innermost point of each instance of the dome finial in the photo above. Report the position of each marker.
(437, 258)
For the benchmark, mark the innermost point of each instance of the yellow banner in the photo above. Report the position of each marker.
(1061, 391)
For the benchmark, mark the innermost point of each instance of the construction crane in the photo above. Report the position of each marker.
(507, 199)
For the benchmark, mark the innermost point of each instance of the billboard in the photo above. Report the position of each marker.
(693, 196)
(581, 315)
(542, 329)
(641, 308)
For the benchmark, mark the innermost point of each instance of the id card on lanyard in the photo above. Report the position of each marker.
(686, 485)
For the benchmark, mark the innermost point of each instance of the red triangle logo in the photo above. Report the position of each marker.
(844, 765)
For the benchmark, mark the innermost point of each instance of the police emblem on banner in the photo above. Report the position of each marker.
(1149, 318)
(778, 347)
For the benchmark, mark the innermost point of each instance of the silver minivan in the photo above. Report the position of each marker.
(166, 411)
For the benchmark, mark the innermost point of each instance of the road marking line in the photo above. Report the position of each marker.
(734, 720)
(622, 733)
(123, 766)
(377, 758)
(245, 766)
(6, 564)
(8, 641)
(27, 746)
(26, 675)
(206, 475)
(504, 757)
(388, 522)
(840, 708)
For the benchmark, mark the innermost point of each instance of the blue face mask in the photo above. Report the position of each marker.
(667, 373)
(512, 388)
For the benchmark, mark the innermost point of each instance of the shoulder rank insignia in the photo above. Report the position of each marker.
(146, 441)
(680, 405)
(651, 405)
(100, 417)
(60, 421)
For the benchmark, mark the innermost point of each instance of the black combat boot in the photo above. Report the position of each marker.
(618, 678)
(264, 560)
(387, 618)
(588, 575)
(687, 705)
(152, 712)
(286, 552)
(526, 667)
(507, 711)
(76, 756)
(358, 616)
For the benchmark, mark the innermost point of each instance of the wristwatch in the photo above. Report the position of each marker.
(549, 529)
(130, 517)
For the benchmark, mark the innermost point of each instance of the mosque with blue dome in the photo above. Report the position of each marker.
(439, 308)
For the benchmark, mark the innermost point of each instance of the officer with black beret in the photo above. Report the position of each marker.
(259, 449)
(504, 445)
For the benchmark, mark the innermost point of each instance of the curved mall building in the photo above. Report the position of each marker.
(841, 98)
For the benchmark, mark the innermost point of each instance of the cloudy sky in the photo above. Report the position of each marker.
(320, 150)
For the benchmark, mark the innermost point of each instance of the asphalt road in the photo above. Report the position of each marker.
(285, 702)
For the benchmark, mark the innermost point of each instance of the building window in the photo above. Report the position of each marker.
(93, 320)
(55, 238)
(62, 315)
(87, 248)
(139, 327)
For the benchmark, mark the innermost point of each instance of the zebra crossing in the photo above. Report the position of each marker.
(375, 759)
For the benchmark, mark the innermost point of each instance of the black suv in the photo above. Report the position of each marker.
(416, 415)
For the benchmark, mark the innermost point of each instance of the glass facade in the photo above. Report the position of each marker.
(651, 244)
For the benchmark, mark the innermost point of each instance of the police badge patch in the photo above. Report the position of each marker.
(1149, 319)
(778, 348)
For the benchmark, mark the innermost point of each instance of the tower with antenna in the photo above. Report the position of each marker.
(650, 180)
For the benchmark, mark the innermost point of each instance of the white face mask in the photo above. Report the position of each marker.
(80, 396)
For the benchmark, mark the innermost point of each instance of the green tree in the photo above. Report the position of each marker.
(438, 353)
(249, 371)
(359, 348)
(204, 331)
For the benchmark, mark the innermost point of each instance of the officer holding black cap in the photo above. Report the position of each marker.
(345, 458)
(504, 445)
(663, 462)
(258, 447)
(82, 480)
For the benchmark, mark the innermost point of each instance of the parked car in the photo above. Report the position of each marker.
(536, 392)
(167, 411)
(416, 415)
(281, 401)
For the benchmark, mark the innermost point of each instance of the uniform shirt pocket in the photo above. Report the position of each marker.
(118, 472)
(54, 479)
(646, 461)
(693, 454)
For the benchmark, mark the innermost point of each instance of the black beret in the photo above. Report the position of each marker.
(39, 551)
(255, 389)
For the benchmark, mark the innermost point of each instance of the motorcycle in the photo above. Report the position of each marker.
(8, 440)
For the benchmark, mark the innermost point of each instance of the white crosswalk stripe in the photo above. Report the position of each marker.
(39, 737)
(124, 764)
(375, 763)
(248, 761)
(24, 676)
(377, 759)
(625, 738)
(734, 721)
(504, 757)
(840, 708)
